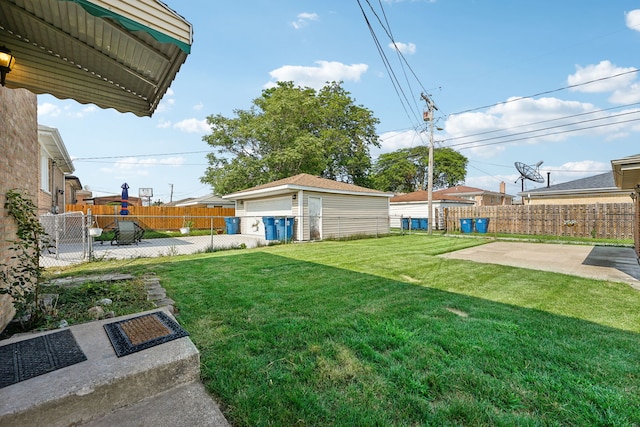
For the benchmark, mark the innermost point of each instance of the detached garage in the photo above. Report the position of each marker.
(416, 205)
(320, 208)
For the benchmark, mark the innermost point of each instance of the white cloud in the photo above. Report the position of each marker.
(193, 126)
(594, 73)
(166, 102)
(628, 95)
(199, 106)
(404, 48)
(632, 19)
(303, 19)
(138, 165)
(48, 109)
(514, 123)
(88, 109)
(316, 77)
(164, 124)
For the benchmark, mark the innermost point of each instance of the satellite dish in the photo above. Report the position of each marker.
(528, 172)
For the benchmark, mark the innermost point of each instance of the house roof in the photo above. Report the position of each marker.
(463, 190)
(307, 182)
(120, 54)
(603, 182)
(423, 196)
(73, 181)
(206, 200)
(51, 141)
(626, 172)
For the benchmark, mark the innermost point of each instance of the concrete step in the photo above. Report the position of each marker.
(104, 383)
(187, 405)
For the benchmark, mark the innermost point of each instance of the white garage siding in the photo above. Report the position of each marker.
(253, 211)
(345, 215)
(413, 210)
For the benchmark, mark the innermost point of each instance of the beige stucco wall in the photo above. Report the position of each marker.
(18, 165)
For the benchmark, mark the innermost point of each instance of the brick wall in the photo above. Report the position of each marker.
(18, 165)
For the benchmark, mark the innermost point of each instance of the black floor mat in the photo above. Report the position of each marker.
(142, 332)
(26, 359)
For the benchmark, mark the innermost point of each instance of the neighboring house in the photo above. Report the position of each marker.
(322, 208)
(626, 175)
(79, 50)
(72, 190)
(210, 201)
(115, 199)
(54, 165)
(416, 205)
(479, 196)
(593, 189)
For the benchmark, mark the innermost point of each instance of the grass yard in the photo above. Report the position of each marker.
(384, 332)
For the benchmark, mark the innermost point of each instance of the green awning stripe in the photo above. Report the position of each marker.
(130, 24)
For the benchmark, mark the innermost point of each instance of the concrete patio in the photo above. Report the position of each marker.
(612, 263)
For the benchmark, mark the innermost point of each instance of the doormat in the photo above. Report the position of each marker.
(142, 332)
(30, 358)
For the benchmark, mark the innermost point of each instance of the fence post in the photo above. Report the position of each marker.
(211, 222)
(85, 234)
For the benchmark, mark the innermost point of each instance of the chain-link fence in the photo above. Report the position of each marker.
(75, 237)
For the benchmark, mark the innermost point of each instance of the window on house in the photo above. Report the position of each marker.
(44, 171)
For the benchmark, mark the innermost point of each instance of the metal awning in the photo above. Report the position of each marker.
(120, 54)
(626, 172)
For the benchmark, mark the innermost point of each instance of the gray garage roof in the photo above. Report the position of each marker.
(305, 182)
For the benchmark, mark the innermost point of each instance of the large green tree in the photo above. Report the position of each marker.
(407, 169)
(290, 130)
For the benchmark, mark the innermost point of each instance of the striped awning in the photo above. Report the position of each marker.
(120, 54)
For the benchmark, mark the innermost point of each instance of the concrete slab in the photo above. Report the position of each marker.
(616, 264)
(103, 383)
(188, 405)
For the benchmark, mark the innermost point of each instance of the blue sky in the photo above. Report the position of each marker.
(573, 63)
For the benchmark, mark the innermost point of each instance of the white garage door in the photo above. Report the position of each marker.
(256, 209)
(280, 206)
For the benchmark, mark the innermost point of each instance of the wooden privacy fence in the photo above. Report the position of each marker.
(613, 221)
(159, 217)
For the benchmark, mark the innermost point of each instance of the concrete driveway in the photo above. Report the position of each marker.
(610, 263)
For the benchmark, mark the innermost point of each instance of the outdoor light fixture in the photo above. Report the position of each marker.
(7, 60)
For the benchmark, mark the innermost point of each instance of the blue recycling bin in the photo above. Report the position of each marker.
(284, 228)
(415, 223)
(269, 227)
(232, 224)
(482, 225)
(424, 223)
(466, 225)
(405, 223)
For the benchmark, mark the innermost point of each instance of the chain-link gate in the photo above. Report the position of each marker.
(66, 241)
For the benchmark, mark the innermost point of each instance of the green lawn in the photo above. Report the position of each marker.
(384, 332)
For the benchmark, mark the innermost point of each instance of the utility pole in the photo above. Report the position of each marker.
(171, 193)
(428, 117)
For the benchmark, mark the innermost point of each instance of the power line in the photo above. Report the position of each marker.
(548, 134)
(543, 121)
(553, 127)
(139, 155)
(549, 91)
